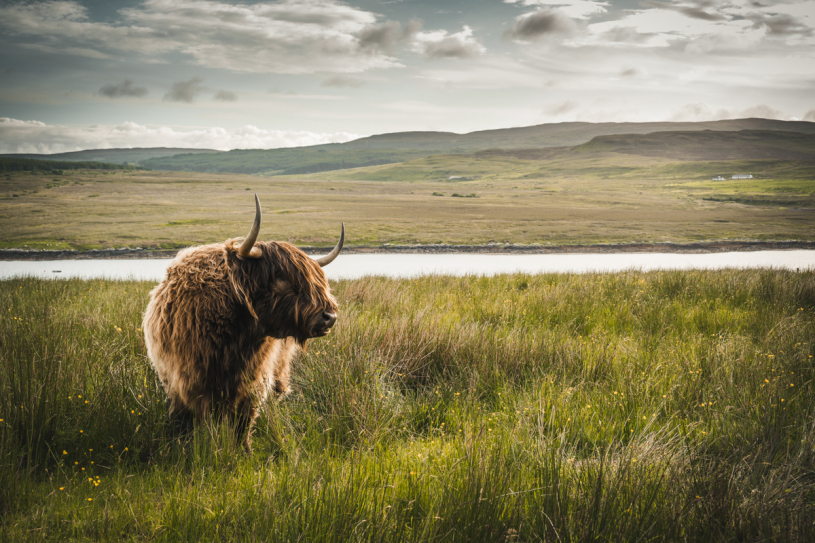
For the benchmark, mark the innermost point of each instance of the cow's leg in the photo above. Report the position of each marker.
(283, 369)
(245, 416)
(181, 418)
(281, 378)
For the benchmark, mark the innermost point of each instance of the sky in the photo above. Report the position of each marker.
(84, 74)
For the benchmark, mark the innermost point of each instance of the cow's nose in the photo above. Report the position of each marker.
(329, 319)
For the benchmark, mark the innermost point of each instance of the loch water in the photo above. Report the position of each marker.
(411, 265)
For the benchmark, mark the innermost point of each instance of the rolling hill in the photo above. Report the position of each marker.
(115, 156)
(682, 146)
(709, 145)
(55, 167)
(403, 146)
(658, 155)
(558, 134)
(636, 138)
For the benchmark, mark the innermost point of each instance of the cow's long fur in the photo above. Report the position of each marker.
(221, 330)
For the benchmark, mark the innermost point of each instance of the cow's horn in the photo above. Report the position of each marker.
(327, 259)
(247, 248)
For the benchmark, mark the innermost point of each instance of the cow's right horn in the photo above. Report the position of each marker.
(327, 259)
(247, 248)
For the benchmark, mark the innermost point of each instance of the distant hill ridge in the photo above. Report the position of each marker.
(710, 145)
(116, 156)
(561, 134)
(402, 146)
(682, 146)
(17, 164)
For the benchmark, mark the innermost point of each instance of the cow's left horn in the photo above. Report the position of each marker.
(247, 248)
(327, 259)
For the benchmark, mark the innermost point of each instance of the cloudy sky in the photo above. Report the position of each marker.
(218, 74)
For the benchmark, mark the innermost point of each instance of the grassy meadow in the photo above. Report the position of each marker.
(511, 196)
(664, 406)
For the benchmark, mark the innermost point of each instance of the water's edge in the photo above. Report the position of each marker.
(351, 266)
(440, 249)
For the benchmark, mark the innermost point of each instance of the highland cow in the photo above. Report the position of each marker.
(226, 321)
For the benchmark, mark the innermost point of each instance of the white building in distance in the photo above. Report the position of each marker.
(741, 176)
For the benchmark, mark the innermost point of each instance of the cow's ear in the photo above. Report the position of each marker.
(234, 246)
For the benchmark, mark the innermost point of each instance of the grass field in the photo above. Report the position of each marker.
(666, 406)
(527, 196)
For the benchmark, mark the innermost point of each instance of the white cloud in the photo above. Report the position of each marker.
(277, 95)
(764, 112)
(418, 106)
(734, 37)
(489, 72)
(342, 81)
(438, 44)
(708, 27)
(17, 136)
(624, 36)
(7, 122)
(603, 110)
(291, 36)
(649, 28)
(697, 73)
(385, 36)
(577, 9)
(803, 11)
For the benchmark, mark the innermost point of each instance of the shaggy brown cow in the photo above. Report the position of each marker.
(225, 322)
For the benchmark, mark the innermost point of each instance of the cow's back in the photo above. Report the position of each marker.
(186, 317)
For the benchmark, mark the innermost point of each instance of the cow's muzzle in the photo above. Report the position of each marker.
(327, 320)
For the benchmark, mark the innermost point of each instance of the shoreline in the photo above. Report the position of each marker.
(498, 248)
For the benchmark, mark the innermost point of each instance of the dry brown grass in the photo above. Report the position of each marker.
(514, 204)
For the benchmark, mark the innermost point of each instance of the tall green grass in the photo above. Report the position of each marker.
(672, 406)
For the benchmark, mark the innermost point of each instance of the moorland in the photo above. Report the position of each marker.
(618, 188)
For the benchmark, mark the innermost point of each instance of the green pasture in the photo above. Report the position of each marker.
(664, 406)
(775, 192)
